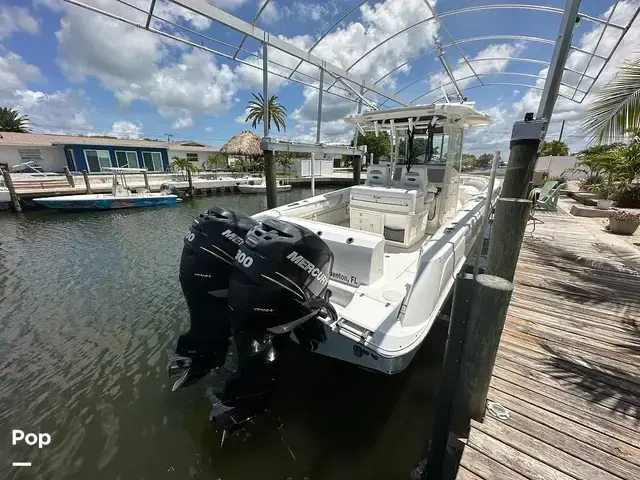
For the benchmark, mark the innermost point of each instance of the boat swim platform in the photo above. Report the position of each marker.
(568, 366)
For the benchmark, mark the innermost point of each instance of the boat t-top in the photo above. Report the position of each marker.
(121, 196)
(358, 274)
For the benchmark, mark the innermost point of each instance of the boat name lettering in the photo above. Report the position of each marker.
(243, 259)
(344, 278)
(229, 235)
(305, 264)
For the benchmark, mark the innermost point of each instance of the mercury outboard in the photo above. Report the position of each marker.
(205, 268)
(278, 285)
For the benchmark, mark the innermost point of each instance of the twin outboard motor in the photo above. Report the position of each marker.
(205, 268)
(252, 282)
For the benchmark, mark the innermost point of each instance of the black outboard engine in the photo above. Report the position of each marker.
(206, 264)
(278, 284)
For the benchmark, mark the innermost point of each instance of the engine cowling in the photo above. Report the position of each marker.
(206, 264)
(280, 277)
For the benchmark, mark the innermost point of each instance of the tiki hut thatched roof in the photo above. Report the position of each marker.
(245, 143)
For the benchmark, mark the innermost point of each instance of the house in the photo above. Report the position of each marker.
(54, 152)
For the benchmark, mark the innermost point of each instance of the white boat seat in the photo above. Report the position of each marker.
(414, 179)
(377, 176)
(387, 199)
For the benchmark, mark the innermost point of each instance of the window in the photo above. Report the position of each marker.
(127, 159)
(152, 161)
(97, 160)
(30, 154)
(192, 157)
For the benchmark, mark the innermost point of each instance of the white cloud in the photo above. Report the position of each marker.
(61, 111)
(314, 12)
(16, 19)
(463, 73)
(184, 122)
(137, 65)
(271, 13)
(15, 74)
(125, 129)
(208, 129)
(497, 135)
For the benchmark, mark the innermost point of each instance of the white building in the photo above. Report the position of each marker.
(54, 152)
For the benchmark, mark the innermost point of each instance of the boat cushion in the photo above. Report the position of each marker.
(387, 199)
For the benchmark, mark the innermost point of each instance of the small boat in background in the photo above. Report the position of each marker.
(280, 187)
(121, 196)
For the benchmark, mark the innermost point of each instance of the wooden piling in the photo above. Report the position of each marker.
(509, 222)
(146, 181)
(487, 314)
(357, 169)
(70, 179)
(15, 199)
(87, 183)
(270, 179)
(522, 161)
(463, 290)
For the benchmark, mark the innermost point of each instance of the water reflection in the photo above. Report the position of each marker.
(89, 305)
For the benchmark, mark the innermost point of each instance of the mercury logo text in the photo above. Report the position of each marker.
(305, 264)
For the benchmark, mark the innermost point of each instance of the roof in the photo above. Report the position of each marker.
(245, 143)
(420, 115)
(46, 140)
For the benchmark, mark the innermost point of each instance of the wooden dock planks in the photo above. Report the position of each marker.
(568, 367)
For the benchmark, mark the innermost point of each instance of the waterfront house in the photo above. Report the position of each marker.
(54, 152)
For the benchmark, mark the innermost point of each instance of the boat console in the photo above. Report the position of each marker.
(399, 210)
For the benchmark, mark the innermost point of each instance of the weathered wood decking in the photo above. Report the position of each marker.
(568, 367)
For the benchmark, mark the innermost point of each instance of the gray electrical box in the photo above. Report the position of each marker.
(532, 130)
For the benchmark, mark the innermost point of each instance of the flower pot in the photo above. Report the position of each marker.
(623, 228)
(604, 204)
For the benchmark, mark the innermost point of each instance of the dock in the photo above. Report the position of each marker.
(568, 366)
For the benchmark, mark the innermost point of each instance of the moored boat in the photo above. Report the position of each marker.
(121, 196)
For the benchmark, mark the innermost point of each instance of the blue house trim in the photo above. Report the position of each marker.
(81, 161)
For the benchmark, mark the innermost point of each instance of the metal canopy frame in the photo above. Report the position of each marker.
(365, 91)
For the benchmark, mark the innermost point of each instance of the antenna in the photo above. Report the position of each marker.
(447, 69)
(169, 135)
(444, 92)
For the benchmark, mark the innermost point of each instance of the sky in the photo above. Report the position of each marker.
(75, 71)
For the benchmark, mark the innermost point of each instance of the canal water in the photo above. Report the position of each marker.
(89, 305)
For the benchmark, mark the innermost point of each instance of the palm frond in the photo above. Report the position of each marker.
(617, 107)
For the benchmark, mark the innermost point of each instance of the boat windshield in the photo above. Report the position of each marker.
(424, 151)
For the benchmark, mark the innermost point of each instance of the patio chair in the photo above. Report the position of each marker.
(547, 196)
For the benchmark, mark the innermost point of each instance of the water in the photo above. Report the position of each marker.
(89, 305)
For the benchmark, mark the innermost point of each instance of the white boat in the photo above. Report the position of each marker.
(358, 274)
(120, 197)
(263, 188)
(399, 240)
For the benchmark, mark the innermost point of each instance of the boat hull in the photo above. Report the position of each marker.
(103, 203)
(262, 188)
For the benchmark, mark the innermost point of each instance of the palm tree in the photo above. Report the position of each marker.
(277, 112)
(12, 121)
(183, 165)
(555, 148)
(616, 109)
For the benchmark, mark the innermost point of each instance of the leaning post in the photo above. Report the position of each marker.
(269, 160)
(146, 181)
(87, 183)
(15, 199)
(70, 179)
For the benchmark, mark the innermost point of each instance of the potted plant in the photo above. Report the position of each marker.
(623, 222)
